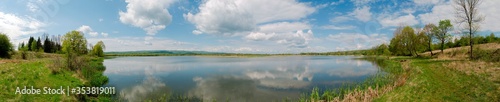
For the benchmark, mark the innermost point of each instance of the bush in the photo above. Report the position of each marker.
(486, 55)
(5, 46)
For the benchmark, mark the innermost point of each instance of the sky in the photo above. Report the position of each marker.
(235, 26)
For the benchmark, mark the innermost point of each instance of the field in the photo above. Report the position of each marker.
(41, 71)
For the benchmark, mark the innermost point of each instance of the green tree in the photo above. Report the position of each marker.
(442, 32)
(403, 42)
(39, 44)
(98, 49)
(429, 32)
(34, 46)
(467, 12)
(490, 38)
(29, 43)
(74, 45)
(5, 46)
(47, 46)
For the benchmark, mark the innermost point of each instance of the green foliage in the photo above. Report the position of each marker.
(98, 49)
(5, 46)
(34, 47)
(315, 95)
(74, 45)
(442, 32)
(404, 41)
(30, 43)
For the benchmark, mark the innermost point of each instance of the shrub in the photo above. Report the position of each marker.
(5, 46)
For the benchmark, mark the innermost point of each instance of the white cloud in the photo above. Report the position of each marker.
(333, 27)
(32, 7)
(397, 21)
(286, 33)
(427, 2)
(488, 8)
(87, 30)
(363, 13)
(439, 12)
(150, 15)
(197, 32)
(100, 19)
(339, 19)
(355, 41)
(255, 20)
(337, 3)
(104, 34)
(232, 17)
(15, 26)
(283, 27)
(491, 11)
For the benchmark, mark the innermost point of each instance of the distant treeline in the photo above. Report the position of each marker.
(52, 45)
(182, 53)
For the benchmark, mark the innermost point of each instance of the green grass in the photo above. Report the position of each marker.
(33, 73)
(430, 81)
(49, 70)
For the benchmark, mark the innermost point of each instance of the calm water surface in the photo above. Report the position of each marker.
(254, 79)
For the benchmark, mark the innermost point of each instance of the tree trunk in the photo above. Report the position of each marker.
(430, 47)
(471, 43)
(442, 45)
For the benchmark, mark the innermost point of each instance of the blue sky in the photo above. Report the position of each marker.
(240, 26)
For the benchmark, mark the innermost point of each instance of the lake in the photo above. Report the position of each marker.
(253, 79)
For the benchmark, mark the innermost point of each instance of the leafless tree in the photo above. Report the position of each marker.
(467, 12)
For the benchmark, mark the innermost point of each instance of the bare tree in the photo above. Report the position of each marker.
(467, 12)
(428, 30)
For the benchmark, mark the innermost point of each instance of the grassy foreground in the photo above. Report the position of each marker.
(47, 70)
(444, 77)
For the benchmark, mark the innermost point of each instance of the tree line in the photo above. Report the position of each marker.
(71, 44)
(52, 45)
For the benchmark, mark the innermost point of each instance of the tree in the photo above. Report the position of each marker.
(34, 46)
(442, 32)
(490, 38)
(74, 45)
(98, 49)
(29, 43)
(467, 12)
(429, 32)
(39, 44)
(404, 41)
(5, 46)
(47, 45)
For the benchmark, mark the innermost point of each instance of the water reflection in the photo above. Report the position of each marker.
(150, 89)
(237, 79)
(234, 88)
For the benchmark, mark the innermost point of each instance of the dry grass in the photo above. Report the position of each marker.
(490, 70)
(459, 53)
(371, 93)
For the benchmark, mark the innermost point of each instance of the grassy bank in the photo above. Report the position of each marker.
(48, 70)
(448, 76)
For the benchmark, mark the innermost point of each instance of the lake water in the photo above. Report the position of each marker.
(253, 79)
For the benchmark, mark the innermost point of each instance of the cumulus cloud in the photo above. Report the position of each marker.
(286, 33)
(427, 2)
(397, 21)
(333, 27)
(230, 17)
(87, 30)
(15, 26)
(104, 34)
(150, 15)
(488, 8)
(255, 20)
(354, 41)
(362, 13)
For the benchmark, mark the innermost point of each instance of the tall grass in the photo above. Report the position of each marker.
(366, 90)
